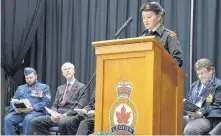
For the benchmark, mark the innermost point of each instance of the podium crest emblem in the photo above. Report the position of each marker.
(123, 115)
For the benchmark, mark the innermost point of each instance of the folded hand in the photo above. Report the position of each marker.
(24, 110)
(91, 113)
(53, 119)
(196, 115)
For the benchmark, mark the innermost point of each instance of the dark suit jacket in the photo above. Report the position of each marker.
(91, 105)
(74, 94)
(213, 108)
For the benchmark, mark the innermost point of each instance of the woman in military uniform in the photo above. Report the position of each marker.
(152, 14)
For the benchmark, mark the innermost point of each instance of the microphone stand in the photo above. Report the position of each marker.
(117, 36)
(84, 91)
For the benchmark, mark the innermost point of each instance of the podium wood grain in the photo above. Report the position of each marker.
(158, 84)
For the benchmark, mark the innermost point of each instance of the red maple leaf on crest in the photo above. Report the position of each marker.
(123, 116)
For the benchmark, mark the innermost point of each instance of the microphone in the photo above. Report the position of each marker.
(117, 35)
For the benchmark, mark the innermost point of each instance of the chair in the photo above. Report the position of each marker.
(54, 129)
(20, 125)
(214, 117)
(214, 121)
(51, 129)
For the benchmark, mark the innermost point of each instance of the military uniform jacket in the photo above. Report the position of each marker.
(170, 42)
(38, 94)
(210, 97)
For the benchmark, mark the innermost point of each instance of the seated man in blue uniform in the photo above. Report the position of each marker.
(65, 102)
(38, 94)
(206, 94)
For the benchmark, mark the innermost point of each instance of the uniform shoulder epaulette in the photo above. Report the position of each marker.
(168, 32)
(172, 34)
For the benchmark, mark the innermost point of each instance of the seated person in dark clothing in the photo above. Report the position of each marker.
(206, 94)
(83, 122)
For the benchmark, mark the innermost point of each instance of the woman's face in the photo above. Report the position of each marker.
(150, 19)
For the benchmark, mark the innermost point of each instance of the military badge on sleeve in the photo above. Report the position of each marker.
(48, 96)
(172, 34)
(177, 41)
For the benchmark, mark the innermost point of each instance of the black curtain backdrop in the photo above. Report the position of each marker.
(66, 29)
(207, 33)
(20, 20)
(177, 19)
(71, 25)
(19, 24)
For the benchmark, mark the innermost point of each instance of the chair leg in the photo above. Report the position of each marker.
(17, 130)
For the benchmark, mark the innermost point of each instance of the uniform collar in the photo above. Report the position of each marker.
(34, 85)
(160, 29)
(156, 27)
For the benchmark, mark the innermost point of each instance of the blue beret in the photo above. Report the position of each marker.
(28, 71)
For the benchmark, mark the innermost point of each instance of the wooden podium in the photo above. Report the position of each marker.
(139, 88)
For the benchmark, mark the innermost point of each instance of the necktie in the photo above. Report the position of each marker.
(197, 96)
(150, 33)
(67, 90)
